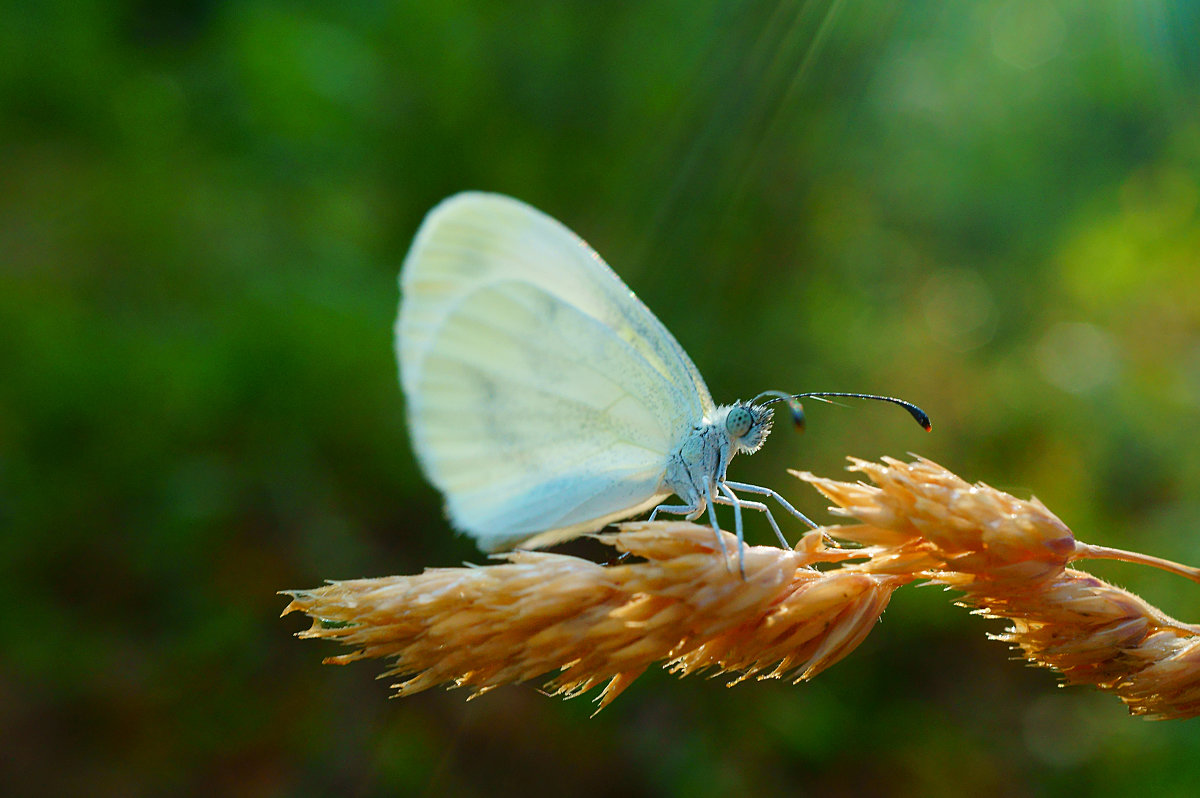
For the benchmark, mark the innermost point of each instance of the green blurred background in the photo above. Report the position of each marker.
(989, 208)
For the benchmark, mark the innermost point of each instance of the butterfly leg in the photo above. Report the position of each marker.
(677, 509)
(765, 510)
(768, 492)
(691, 512)
(712, 519)
(731, 498)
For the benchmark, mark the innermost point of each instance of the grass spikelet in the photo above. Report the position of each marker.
(537, 613)
(1010, 558)
(678, 601)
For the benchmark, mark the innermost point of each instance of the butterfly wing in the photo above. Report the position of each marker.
(543, 397)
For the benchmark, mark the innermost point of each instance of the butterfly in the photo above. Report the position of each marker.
(545, 401)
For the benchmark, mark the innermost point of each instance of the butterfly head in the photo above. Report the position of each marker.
(747, 426)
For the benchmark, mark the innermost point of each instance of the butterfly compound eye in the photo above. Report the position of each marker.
(738, 422)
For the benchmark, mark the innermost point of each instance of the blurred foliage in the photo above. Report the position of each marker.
(989, 207)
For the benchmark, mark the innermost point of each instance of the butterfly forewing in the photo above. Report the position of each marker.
(543, 397)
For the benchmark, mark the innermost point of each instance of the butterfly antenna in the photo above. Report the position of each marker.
(793, 403)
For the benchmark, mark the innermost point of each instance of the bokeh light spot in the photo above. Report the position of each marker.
(959, 310)
(1077, 357)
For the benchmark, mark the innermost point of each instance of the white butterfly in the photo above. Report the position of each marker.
(544, 399)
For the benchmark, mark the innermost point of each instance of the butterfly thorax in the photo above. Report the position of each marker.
(700, 461)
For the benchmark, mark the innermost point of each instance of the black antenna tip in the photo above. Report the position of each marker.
(917, 413)
(797, 411)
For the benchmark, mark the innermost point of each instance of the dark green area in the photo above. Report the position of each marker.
(990, 208)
